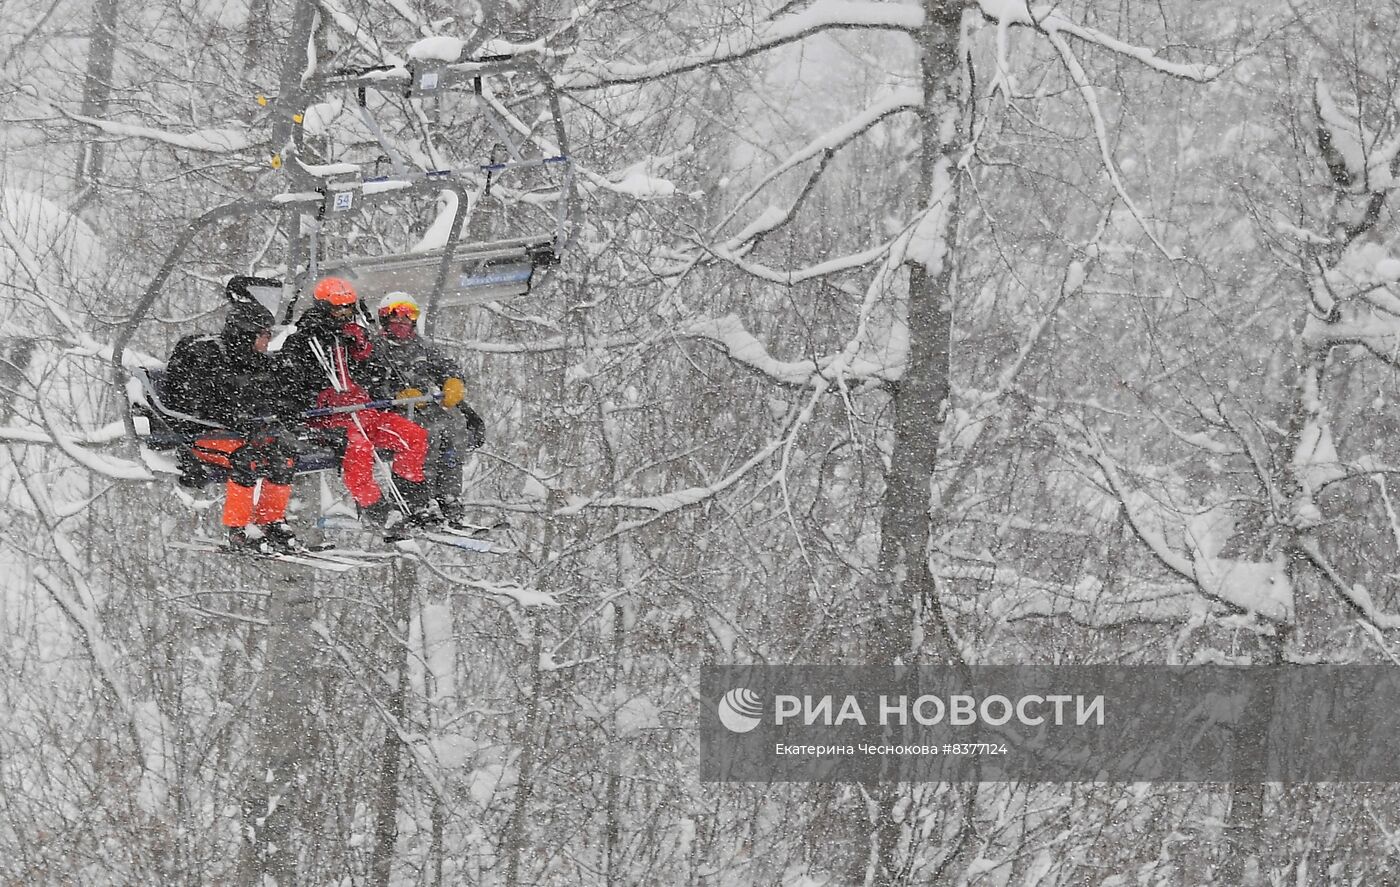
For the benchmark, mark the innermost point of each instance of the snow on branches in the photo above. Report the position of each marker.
(1047, 19)
(852, 14)
(743, 42)
(220, 140)
(1357, 158)
(1187, 541)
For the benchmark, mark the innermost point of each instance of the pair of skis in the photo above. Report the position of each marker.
(467, 539)
(338, 560)
(323, 559)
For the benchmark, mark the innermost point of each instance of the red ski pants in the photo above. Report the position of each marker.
(378, 430)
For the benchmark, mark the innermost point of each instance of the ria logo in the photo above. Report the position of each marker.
(740, 710)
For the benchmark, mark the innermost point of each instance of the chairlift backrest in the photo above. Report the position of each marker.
(481, 272)
(492, 264)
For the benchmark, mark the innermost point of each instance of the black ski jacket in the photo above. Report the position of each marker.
(397, 366)
(349, 354)
(411, 364)
(222, 379)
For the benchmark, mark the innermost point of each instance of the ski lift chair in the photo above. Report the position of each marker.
(159, 429)
(442, 274)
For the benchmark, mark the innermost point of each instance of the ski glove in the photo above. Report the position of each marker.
(452, 392)
(475, 434)
(360, 346)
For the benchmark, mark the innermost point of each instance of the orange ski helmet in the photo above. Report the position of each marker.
(337, 291)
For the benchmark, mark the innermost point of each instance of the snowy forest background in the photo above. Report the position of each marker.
(895, 331)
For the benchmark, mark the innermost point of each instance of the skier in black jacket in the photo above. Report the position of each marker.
(407, 366)
(238, 394)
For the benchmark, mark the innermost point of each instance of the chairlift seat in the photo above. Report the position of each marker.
(162, 429)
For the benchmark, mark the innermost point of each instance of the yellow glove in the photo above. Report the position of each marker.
(452, 392)
(409, 392)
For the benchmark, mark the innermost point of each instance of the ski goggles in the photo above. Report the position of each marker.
(399, 311)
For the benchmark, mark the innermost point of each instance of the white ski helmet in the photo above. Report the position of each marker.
(397, 301)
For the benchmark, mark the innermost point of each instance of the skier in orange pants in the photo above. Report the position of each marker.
(259, 487)
(229, 385)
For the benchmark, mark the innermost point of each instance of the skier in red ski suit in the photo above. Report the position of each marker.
(330, 350)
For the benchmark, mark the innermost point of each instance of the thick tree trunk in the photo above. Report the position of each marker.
(291, 87)
(1245, 851)
(436, 850)
(386, 829)
(908, 595)
(615, 873)
(921, 396)
(257, 35)
(514, 848)
(97, 91)
(15, 355)
(271, 808)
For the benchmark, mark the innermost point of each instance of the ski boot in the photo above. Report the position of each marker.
(454, 518)
(418, 501)
(387, 518)
(454, 513)
(397, 526)
(427, 515)
(282, 540)
(250, 540)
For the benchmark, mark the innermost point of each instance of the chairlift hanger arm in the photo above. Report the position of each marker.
(244, 206)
